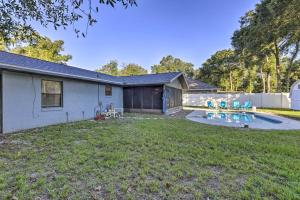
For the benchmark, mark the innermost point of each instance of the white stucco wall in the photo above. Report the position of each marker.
(22, 101)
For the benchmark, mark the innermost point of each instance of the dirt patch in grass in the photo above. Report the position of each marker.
(181, 114)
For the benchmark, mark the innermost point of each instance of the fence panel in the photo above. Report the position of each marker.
(260, 100)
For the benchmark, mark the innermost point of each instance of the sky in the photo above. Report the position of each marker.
(191, 30)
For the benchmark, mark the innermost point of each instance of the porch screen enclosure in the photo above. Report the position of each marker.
(143, 98)
(173, 97)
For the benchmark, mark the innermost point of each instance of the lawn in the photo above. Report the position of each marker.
(165, 158)
(283, 112)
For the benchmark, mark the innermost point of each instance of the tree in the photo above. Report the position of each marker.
(42, 48)
(111, 68)
(171, 64)
(132, 69)
(273, 29)
(223, 70)
(16, 16)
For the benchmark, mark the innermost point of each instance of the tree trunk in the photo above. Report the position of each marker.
(277, 58)
(268, 82)
(290, 66)
(250, 86)
(263, 80)
(231, 84)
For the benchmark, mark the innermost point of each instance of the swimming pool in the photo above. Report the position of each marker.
(238, 117)
(243, 119)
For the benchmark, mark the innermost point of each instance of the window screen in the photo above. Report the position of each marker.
(51, 94)
(108, 90)
(174, 97)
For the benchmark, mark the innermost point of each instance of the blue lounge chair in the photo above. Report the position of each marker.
(247, 105)
(236, 105)
(210, 104)
(223, 105)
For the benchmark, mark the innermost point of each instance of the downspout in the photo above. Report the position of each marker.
(98, 107)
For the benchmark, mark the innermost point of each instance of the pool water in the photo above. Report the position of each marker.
(238, 117)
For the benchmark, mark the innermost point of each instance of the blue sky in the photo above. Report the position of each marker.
(191, 30)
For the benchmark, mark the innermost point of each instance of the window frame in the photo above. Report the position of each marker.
(61, 94)
(111, 90)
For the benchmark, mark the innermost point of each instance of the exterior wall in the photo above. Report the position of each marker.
(260, 100)
(22, 101)
(175, 84)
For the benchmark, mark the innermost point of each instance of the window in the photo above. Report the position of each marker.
(51, 94)
(108, 90)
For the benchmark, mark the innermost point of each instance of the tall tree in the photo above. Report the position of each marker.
(42, 48)
(273, 28)
(16, 16)
(171, 64)
(110, 68)
(132, 69)
(223, 70)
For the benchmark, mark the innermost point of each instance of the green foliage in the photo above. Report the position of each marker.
(223, 70)
(111, 68)
(271, 30)
(42, 48)
(128, 70)
(171, 64)
(16, 16)
(266, 47)
(2, 45)
(132, 69)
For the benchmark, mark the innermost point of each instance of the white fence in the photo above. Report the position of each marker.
(260, 100)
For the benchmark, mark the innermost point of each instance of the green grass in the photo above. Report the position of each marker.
(152, 158)
(283, 112)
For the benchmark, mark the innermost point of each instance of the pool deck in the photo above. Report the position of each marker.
(287, 124)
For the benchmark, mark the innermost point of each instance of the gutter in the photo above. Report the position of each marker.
(45, 72)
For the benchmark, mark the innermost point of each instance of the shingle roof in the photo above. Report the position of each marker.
(149, 79)
(199, 85)
(26, 64)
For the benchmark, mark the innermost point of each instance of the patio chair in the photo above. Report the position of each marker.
(236, 105)
(112, 112)
(247, 105)
(223, 105)
(210, 104)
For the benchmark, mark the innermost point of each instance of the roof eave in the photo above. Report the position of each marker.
(144, 84)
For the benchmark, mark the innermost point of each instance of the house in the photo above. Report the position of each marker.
(196, 86)
(37, 93)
